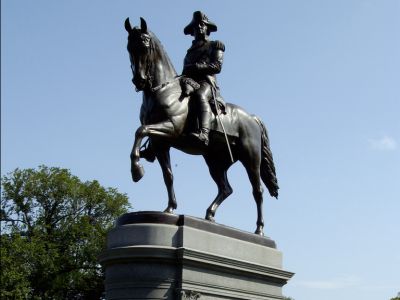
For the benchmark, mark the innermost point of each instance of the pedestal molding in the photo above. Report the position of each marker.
(186, 255)
(235, 293)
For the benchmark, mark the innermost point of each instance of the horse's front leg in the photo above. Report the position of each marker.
(164, 160)
(163, 129)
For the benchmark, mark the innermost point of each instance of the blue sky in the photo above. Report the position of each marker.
(323, 75)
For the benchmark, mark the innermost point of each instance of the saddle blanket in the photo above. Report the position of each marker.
(228, 119)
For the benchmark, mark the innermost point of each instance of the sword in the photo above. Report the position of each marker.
(222, 124)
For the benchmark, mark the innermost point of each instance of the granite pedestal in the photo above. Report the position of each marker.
(154, 255)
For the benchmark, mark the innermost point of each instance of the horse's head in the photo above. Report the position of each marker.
(150, 64)
(140, 48)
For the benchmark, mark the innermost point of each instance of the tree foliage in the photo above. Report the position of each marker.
(53, 227)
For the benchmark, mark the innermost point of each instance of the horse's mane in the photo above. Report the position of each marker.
(158, 48)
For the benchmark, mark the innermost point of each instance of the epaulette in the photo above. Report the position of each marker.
(219, 45)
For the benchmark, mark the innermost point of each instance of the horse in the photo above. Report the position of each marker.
(166, 115)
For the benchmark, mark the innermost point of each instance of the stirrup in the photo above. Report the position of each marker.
(202, 136)
(147, 153)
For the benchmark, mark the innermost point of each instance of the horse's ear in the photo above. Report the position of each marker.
(143, 25)
(128, 26)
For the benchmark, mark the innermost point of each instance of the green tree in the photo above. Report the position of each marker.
(53, 227)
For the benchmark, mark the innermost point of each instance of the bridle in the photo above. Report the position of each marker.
(149, 67)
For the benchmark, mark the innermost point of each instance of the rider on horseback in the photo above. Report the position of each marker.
(202, 62)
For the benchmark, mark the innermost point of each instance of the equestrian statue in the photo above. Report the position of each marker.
(188, 113)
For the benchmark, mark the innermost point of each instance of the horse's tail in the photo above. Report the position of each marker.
(267, 168)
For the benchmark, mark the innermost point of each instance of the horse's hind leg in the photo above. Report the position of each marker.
(219, 175)
(163, 158)
(254, 176)
(251, 160)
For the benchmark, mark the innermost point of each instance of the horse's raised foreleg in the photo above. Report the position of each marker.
(163, 158)
(163, 129)
(219, 175)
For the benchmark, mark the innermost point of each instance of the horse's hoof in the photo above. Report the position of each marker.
(259, 231)
(210, 218)
(137, 172)
(169, 210)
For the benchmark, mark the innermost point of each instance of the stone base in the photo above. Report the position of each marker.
(154, 255)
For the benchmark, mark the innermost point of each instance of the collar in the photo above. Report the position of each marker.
(198, 44)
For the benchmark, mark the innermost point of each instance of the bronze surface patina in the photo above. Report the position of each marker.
(187, 112)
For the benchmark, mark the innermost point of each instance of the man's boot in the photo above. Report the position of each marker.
(205, 127)
(203, 135)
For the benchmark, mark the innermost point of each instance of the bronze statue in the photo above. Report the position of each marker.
(171, 105)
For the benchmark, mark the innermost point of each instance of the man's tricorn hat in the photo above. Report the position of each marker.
(198, 17)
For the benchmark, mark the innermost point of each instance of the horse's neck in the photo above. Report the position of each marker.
(163, 70)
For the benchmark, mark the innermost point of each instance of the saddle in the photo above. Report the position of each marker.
(189, 86)
(218, 107)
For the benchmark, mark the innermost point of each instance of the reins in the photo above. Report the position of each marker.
(150, 78)
(162, 85)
